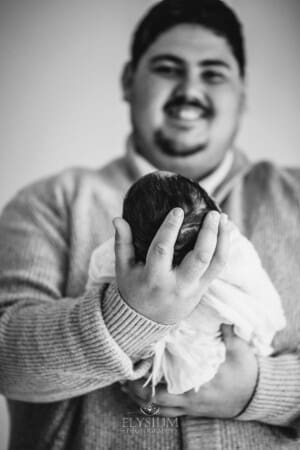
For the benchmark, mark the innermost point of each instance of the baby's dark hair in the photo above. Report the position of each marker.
(149, 200)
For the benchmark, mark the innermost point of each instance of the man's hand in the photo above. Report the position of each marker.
(154, 289)
(224, 397)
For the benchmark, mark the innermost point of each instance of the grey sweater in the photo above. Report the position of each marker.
(63, 353)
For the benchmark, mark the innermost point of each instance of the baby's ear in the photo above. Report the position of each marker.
(126, 81)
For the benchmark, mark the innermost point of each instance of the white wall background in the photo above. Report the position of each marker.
(60, 102)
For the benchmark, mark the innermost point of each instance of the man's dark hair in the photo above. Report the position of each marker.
(149, 200)
(211, 14)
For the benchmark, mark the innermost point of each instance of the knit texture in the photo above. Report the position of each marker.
(63, 352)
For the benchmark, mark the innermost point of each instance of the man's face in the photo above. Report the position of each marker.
(186, 99)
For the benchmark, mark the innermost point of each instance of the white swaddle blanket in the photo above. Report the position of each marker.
(243, 295)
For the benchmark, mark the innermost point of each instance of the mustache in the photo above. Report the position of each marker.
(180, 101)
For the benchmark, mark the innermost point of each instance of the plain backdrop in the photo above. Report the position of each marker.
(60, 102)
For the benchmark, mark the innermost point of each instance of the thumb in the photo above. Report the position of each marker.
(124, 249)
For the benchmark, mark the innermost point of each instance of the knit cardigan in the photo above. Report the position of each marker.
(63, 353)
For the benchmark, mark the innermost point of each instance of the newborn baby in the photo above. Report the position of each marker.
(243, 295)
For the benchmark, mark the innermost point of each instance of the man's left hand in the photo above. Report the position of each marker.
(225, 396)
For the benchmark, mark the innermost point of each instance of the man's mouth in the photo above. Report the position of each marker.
(187, 126)
(187, 111)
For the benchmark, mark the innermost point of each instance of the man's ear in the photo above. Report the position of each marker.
(126, 80)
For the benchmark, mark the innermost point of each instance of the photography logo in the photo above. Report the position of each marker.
(135, 423)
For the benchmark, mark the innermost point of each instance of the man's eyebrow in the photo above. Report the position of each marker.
(214, 62)
(166, 57)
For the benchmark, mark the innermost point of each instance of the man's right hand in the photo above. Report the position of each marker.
(155, 289)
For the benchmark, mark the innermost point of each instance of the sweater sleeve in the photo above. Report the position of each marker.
(276, 400)
(54, 347)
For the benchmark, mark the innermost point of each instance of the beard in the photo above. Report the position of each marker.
(171, 147)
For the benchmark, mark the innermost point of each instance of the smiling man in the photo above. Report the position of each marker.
(71, 363)
(187, 97)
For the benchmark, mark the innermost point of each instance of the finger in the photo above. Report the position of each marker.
(124, 249)
(221, 253)
(137, 400)
(227, 332)
(160, 253)
(163, 398)
(138, 390)
(171, 412)
(196, 262)
(164, 411)
(231, 340)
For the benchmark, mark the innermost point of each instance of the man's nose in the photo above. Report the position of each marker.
(191, 86)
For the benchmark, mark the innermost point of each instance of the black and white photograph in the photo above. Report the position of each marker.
(149, 225)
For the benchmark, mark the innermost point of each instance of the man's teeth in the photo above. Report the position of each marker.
(187, 113)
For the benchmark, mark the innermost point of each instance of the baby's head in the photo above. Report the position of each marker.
(149, 200)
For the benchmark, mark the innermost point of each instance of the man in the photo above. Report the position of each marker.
(63, 353)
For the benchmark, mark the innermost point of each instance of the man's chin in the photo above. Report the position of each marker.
(175, 149)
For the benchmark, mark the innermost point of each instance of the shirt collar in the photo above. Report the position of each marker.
(210, 183)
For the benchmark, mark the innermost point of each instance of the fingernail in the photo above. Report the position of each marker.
(177, 212)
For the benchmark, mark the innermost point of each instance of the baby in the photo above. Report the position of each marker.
(243, 295)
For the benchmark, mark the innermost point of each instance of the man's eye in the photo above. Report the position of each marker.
(214, 77)
(166, 70)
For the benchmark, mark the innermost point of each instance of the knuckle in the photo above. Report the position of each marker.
(148, 279)
(171, 222)
(160, 249)
(168, 228)
(152, 282)
(203, 257)
(220, 260)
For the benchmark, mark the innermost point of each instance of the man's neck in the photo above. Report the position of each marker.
(209, 182)
(215, 177)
